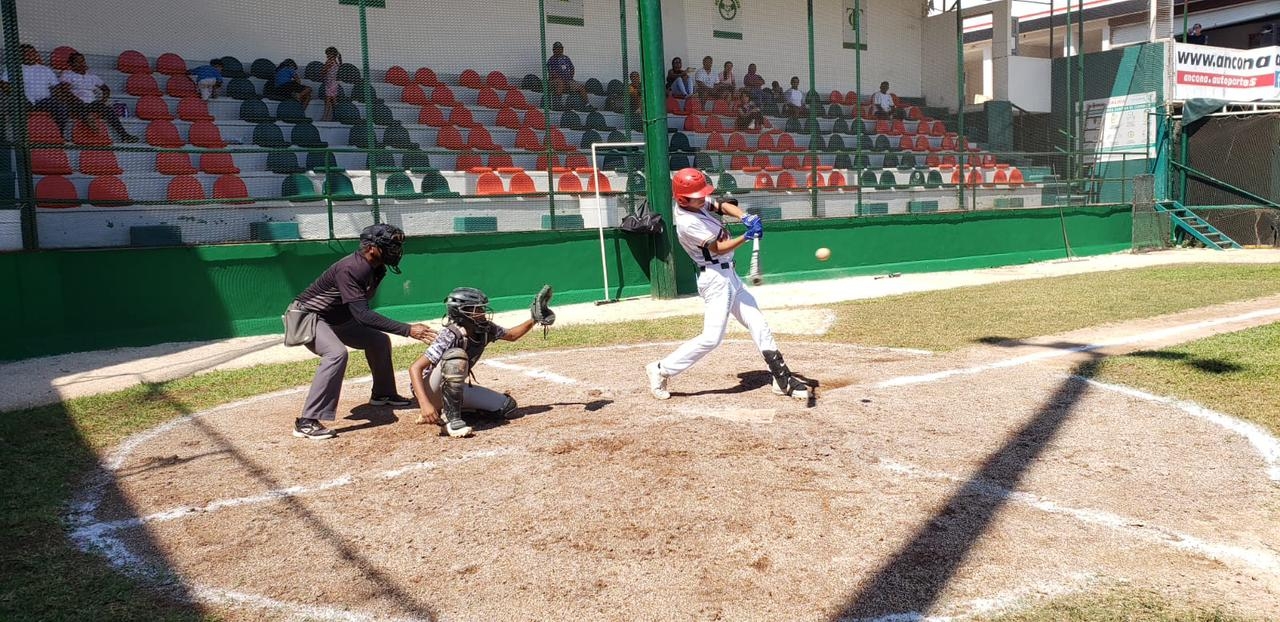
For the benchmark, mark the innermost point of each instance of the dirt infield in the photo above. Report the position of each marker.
(903, 492)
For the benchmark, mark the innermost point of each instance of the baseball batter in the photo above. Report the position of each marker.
(705, 238)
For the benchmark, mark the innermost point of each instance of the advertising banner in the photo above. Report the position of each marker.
(1225, 73)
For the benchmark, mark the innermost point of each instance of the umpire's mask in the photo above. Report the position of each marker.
(390, 241)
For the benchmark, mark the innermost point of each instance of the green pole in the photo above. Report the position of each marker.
(857, 100)
(626, 70)
(1080, 95)
(813, 119)
(371, 139)
(658, 168)
(961, 153)
(546, 111)
(15, 101)
(1070, 106)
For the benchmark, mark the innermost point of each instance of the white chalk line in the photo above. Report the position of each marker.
(1002, 602)
(297, 611)
(1253, 559)
(531, 372)
(1060, 352)
(672, 344)
(1262, 441)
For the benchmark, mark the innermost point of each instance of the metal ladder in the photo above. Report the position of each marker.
(1188, 221)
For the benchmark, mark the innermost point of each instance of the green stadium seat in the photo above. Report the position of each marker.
(381, 161)
(792, 125)
(679, 143)
(861, 161)
(703, 161)
(589, 137)
(729, 184)
(596, 121)
(933, 179)
(842, 161)
(917, 179)
(233, 68)
(416, 161)
(241, 88)
(399, 186)
(617, 136)
(290, 111)
(835, 112)
(268, 135)
(255, 111)
(835, 143)
(881, 143)
(594, 87)
(810, 126)
(887, 180)
(306, 135)
(868, 179)
(359, 137)
(398, 137)
(531, 83)
(816, 143)
(283, 162)
(906, 161)
(338, 187)
(362, 92)
(322, 160)
(570, 120)
(348, 73)
(263, 69)
(314, 71)
(435, 185)
(382, 113)
(890, 160)
(346, 113)
(679, 161)
(840, 127)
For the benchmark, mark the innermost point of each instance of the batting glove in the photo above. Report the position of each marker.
(750, 219)
(755, 230)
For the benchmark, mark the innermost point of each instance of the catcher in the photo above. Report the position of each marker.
(439, 376)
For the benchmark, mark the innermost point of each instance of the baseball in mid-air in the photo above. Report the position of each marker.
(823, 254)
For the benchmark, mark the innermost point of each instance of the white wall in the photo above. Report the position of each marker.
(938, 60)
(451, 36)
(1029, 83)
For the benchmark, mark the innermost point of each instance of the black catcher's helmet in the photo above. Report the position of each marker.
(469, 308)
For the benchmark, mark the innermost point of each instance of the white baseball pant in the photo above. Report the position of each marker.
(723, 294)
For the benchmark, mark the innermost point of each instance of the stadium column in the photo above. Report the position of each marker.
(662, 275)
(14, 102)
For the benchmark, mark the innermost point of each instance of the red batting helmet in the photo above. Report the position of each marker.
(690, 182)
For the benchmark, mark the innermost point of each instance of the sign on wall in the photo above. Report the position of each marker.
(1116, 128)
(1224, 73)
(727, 19)
(855, 24)
(564, 12)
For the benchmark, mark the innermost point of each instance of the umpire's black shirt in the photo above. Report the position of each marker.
(343, 292)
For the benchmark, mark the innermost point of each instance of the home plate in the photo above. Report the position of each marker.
(795, 321)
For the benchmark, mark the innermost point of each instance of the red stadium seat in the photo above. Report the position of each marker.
(558, 143)
(738, 142)
(163, 134)
(181, 86)
(470, 79)
(205, 134)
(713, 124)
(431, 116)
(92, 133)
(601, 180)
(921, 143)
(765, 162)
(231, 187)
(499, 161)
(460, 116)
(715, 142)
(526, 139)
(522, 183)
(693, 123)
(791, 161)
(41, 129)
(835, 97)
(108, 191)
(488, 98)
(140, 84)
(50, 162)
(218, 164)
(673, 106)
(480, 139)
(815, 182)
(569, 182)
(497, 80)
(948, 143)
(763, 181)
(534, 119)
(1015, 177)
(785, 180)
(508, 118)
(1000, 178)
(171, 64)
(515, 99)
(883, 127)
(397, 75)
(765, 142)
(99, 163)
(905, 143)
(545, 164)
(412, 94)
(132, 61)
(425, 77)
(721, 107)
(442, 96)
(60, 56)
(932, 161)
(185, 188)
(193, 109)
(489, 183)
(693, 105)
(576, 160)
(786, 143)
(449, 138)
(739, 162)
(174, 163)
(836, 179)
(897, 128)
(56, 192)
(467, 161)
(151, 108)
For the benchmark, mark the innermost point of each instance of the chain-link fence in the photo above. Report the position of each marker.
(130, 124)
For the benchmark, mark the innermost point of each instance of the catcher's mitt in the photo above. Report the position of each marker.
(542, 314)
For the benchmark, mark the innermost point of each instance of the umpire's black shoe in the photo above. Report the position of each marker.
(390, 400)
(312, 429)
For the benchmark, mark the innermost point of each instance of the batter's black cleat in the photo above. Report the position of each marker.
(389, 400)
(312, 429)
(791, 386)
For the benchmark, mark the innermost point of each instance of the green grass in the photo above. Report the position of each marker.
(1234, 373)
(45, 451)
(1121, 605)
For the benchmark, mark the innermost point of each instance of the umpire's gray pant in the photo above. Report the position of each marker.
(331, 346)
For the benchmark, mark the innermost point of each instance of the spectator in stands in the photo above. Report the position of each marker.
(726, 83)
(1197, 36)
(882, 102)
(289, 84)
(679, 80)
(775, 93)
(208, 78)
(749, 115)
(90, 96)
(41, 86)
(635, 92)
(704, 81)
(754, 83)
(332, 62)
(793, 100)
(560, 72)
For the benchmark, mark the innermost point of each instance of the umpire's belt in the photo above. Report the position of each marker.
(724, 264)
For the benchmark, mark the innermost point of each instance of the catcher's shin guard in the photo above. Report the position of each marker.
(508, 410)
(454, 367)
(784, 382)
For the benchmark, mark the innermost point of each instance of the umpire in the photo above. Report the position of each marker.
(339, 300)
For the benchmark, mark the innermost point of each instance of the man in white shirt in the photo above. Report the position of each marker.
(90, 95)
(704, 82)
(41, 86)
(882, 102)
(793, 104)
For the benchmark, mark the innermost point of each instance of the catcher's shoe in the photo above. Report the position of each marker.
(657, 381)
(456, 428)
(791, 386)
(312, 429)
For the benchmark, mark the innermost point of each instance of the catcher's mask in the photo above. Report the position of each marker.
(390, 241)
(469, 308)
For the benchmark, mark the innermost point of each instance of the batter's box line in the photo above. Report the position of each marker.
(1262, 441)
(1252, 559)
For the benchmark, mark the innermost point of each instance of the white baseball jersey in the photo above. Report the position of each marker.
(697, 230)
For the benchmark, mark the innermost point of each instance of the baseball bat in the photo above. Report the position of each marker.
(754, 273)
